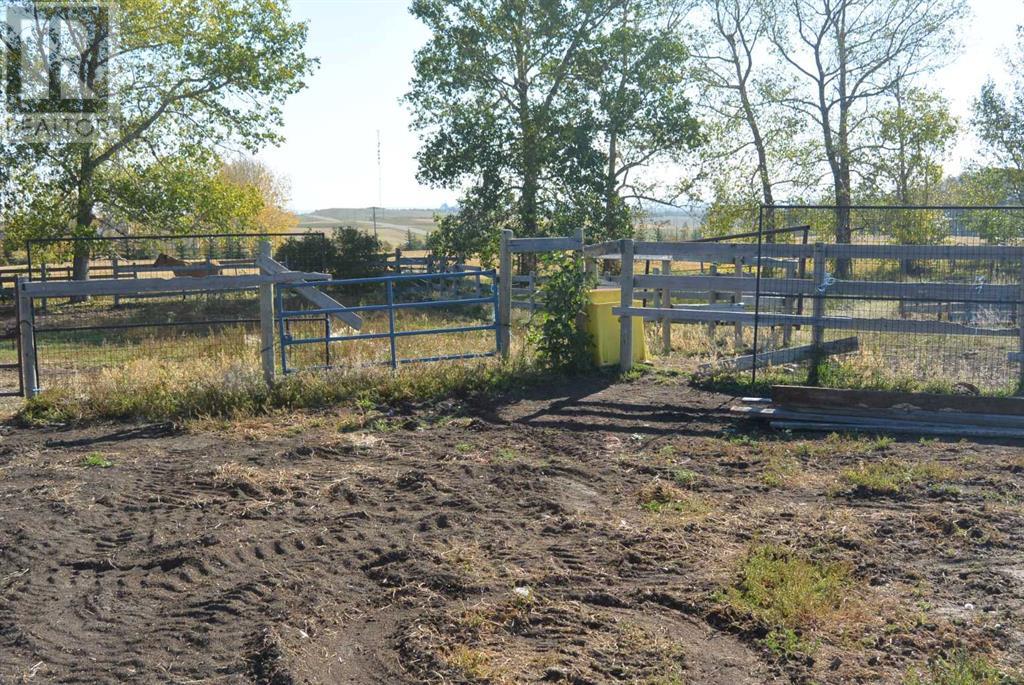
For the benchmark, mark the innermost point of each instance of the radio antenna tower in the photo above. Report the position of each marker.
(379, 187)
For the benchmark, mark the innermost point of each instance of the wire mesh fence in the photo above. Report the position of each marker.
(929, 320)
(76, 337)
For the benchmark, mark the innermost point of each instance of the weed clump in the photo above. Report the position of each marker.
(891, 477)
(662, 497)
(96, 460)
(787, 595)
(961, 669)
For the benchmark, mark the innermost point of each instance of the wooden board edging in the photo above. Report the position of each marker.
(820, 398)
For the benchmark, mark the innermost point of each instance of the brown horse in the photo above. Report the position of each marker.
(211, 268)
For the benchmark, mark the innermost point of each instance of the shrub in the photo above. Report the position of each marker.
(348, 253)
(560, 342)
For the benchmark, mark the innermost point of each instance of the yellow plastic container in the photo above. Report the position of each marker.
(603, 327)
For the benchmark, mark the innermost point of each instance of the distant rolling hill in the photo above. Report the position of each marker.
(393, 225)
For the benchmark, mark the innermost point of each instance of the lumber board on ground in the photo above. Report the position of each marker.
(793, 396)
(917, 429)
(318, 298)
(785, 356)
(881, 416)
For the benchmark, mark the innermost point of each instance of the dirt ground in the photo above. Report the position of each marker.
(507, 541)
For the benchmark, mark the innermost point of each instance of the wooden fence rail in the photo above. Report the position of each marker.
(509, 246)
(744, 288)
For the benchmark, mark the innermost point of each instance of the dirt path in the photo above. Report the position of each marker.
(499, 543)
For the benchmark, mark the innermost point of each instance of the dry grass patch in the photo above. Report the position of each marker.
(254, 482)
(662, 497)
(470, 560)
(475, 664)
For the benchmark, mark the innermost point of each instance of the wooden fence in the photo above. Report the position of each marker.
(269, 272)
(816, 289)
(507, 280)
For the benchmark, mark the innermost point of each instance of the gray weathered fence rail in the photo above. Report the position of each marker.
(1010, 296)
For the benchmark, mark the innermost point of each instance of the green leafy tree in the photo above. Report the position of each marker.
(490, 98)
(758, 148)
(903, 165)
(359, 254)
(643, 113)
(273, 189)
(347, 253)
(988, 186)
(998, 122)
(546, 113)
(189, 77)
(849, 56)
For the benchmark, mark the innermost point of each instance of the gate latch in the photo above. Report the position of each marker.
(828, 280)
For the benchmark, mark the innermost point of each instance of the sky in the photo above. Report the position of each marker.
(366, 48)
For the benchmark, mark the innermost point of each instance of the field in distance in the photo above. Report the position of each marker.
(393, 225)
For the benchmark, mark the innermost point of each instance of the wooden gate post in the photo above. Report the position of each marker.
(505, 295)
(27, 342)
(738, 298)
(666, 303)
(266, 320)
(626, 300)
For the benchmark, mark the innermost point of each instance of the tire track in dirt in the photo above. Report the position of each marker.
(508, 546)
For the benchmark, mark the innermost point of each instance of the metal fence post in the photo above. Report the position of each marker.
(626, 300)
(266, 320)
(738, 298)
(27, 338)
(115, 273)
(505, 295)
(817, 330)
(712, 300)
(1020, 331)
(391, 324)
(43, 278)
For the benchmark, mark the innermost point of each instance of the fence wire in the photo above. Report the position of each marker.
(150, 333)
(973, 357)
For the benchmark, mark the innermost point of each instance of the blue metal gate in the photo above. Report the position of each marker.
(390, 306)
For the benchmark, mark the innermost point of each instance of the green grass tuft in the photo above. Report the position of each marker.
(891, 477)
(96, 460)
(961, 669)
(685, 478)
(787, 594)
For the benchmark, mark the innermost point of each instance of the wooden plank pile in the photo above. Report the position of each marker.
(867, 411)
